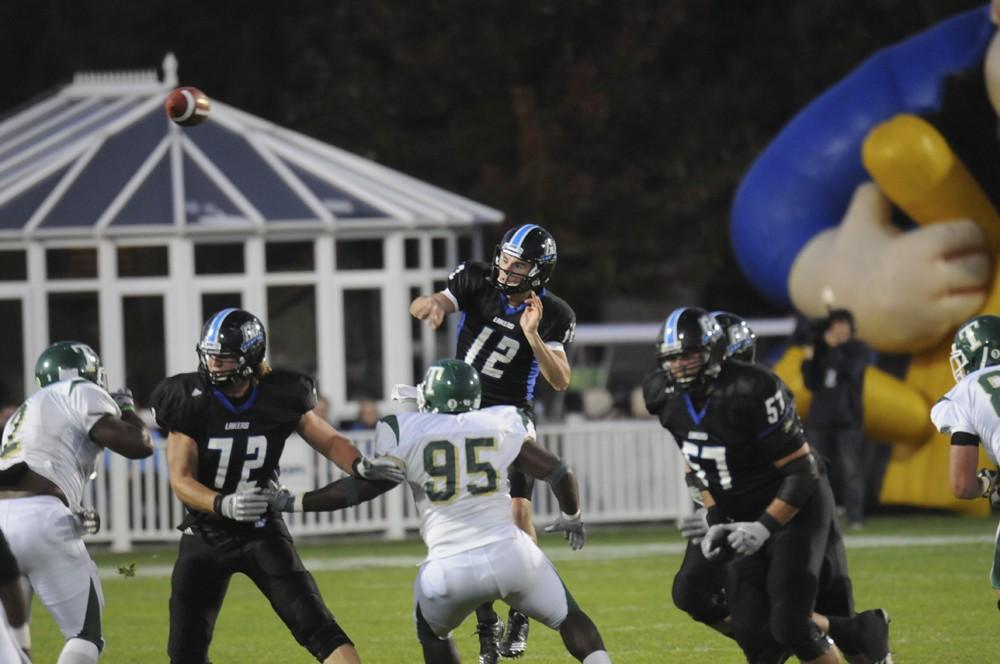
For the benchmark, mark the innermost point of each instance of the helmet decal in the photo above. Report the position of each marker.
(211, 340)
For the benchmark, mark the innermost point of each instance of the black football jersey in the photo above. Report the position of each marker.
(732, 439)
(490, 336)
(239, 442)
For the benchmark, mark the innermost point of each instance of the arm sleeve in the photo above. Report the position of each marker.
(777, 427)
(950, 415)
(305, 394)
(563, 329)
(91, 403)
(463, 282)
(174, 409)
(802, 182)
(387, 435)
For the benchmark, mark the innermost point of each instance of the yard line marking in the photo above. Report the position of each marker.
(591, 552)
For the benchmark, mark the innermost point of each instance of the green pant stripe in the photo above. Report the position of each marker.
(92, 620)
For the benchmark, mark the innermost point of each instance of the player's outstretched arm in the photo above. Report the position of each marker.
(127, 435)
(541, 464)
(345, 492)
(432, 308)
(963, 462)
(336, 447)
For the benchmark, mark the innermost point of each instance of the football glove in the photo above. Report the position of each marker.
(989, 480)
(280, 499)
(247, 505)
(123, 398)
(379, 469)
(715, 542)
(90, 521)
(572, 526)
(693, 527)
(747, 537)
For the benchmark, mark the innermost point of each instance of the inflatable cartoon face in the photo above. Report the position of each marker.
(914, 127)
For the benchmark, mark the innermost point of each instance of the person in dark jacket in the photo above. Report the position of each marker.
(834, 371)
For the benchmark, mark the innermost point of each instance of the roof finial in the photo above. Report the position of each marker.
(170, 70)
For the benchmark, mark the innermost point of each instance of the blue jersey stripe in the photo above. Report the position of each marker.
(213, 328)
(521, 233)
(532, 379)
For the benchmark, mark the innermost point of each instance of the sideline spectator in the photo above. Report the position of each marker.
(834, 369)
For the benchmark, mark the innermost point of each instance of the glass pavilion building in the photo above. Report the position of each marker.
(122, 230)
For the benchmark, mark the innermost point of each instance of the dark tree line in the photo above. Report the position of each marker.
(623, 126)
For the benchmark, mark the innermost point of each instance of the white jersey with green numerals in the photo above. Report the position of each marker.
(973, 406)
(51, 433)
(457, 468)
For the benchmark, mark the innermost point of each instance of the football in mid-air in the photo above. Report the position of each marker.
(187, 106)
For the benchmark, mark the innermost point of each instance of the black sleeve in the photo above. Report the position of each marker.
(771, 410)
(177, 404)
(345, 492)
(656, 389)
(296, 389)
(962, 438)
(8, 565)
(810, 369)
(464, 283)
(561, 321)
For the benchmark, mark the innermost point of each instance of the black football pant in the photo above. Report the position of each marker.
(772, 593)
(699, 587)
(200, 579)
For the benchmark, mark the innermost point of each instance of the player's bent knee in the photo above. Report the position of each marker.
(79, 651)
(701, 603)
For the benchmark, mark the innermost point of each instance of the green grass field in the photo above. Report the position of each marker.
(937, 592)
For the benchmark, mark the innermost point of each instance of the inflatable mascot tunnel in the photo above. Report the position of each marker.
(881, 197)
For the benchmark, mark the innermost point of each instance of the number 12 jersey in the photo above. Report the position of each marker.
(490, 337)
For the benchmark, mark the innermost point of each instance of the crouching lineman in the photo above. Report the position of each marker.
(969, 412)
(456, 458)
(768, 502)
(228, 424)
(50, 448)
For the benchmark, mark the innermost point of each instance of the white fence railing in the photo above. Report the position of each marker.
(628, 471)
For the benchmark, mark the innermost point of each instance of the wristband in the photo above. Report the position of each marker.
(217, 504)
(769, 522)
(297, 503)
(714, 516)
(354, 467)
(572, 517)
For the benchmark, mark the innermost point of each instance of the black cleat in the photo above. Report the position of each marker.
(489, 641)
(873, 634)
(515, 640)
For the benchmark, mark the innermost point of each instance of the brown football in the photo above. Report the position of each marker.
(187, 106)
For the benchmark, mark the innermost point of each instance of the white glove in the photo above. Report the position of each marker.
(988, 480)
(379, 469)
(90, 521)
(933, 277)
(124, 399)
(247, 505)
(746, 537)
(693, 527)
(715, 543)
(576, 534)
